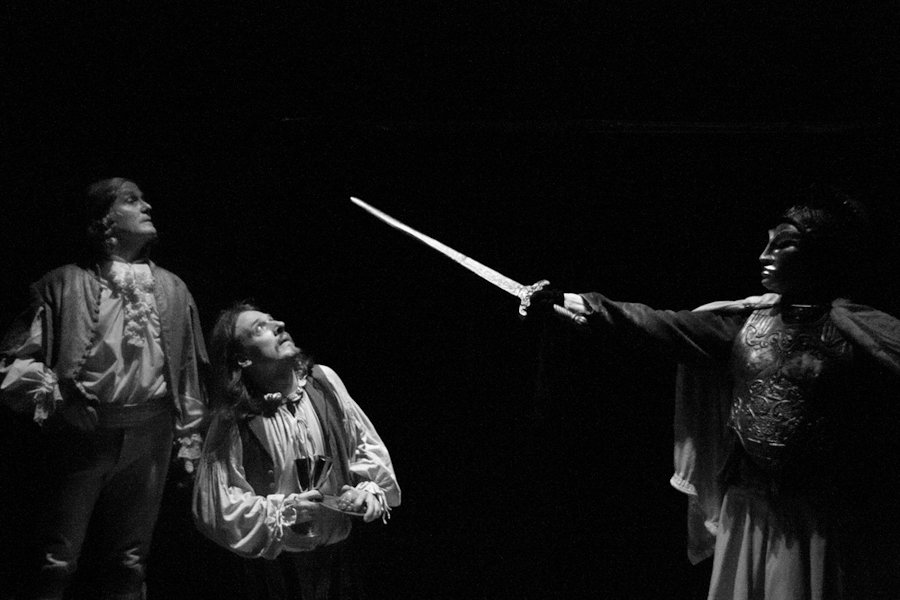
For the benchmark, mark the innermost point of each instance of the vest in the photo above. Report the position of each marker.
(259, 468)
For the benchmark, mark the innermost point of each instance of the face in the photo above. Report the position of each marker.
(783, 268)
(129, 214)
(264, 339)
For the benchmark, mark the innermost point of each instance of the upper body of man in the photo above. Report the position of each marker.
(259, 491)
(115, 329)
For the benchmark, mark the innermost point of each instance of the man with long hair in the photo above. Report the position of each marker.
(290, 460)
(786, 413)
(108, 360)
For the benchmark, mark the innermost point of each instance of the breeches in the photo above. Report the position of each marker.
(110, 481)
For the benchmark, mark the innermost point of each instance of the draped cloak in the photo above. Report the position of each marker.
(703, 398)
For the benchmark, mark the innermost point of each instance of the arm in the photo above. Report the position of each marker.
(370, 462)
(191, 385)
(192, 394)
(28, 384)
(228, 510)
(687, 336)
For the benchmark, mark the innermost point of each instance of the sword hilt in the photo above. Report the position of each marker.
(562, 311)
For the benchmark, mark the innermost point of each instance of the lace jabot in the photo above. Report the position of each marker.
(134, 283)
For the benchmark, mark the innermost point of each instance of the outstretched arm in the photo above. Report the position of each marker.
(686, 336)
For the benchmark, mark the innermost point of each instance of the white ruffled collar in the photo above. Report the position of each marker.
(134, 283)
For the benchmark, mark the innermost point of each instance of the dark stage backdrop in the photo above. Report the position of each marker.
(630, 148)
(534, 461)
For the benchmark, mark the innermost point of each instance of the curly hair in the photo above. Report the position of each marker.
(837, 234)
(99, 196)
(232, 399)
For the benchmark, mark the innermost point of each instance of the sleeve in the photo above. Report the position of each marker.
(192, 385)
(28, 384)
(229, 512)
(696, 338)
(370, 461)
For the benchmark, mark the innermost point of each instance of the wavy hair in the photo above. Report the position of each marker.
(232, 398)
(837, 237)
(231, 392)
(99, 196)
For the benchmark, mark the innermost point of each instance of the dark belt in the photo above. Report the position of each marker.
(116, 416)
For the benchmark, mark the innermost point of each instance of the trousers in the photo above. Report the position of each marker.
(107, 484)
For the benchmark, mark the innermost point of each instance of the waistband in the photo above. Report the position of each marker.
(116, 416)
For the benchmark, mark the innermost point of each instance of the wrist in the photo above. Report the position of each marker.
(378, 494)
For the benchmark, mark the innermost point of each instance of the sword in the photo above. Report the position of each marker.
(522, 292)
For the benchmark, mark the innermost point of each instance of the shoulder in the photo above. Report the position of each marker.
(326, 372)
(65, 272)
(872, 320)
(55, 280)
(877, 333)
(329, 375)
(746, 305)
(170, 277)
(170, 282)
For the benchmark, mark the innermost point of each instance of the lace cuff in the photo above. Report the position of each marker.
(28, 385)
(279, 515)
(189, 449)
(374, 489)
(48, 398)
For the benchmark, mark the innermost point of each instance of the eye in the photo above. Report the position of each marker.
(783, 243)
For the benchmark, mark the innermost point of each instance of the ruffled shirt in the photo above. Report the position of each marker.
(124, 366)
(255, 524)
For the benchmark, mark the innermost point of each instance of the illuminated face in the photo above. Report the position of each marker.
(783, 268)
(264, 339)
(129, 215)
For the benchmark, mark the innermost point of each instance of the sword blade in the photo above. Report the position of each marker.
(488, 274)
(508, 285)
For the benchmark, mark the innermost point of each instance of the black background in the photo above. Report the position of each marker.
(640, 151)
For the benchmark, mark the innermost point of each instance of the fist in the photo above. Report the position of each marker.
(542, 301)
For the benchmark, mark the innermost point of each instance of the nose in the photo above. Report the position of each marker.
(278, 327)
(766, 257)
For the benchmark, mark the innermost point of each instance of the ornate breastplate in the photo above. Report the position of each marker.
(790, 368)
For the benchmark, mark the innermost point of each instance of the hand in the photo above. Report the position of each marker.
(189, 448)
(305, 505)
(355, 500)
(542, 301)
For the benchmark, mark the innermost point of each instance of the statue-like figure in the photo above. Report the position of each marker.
(786, 414)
